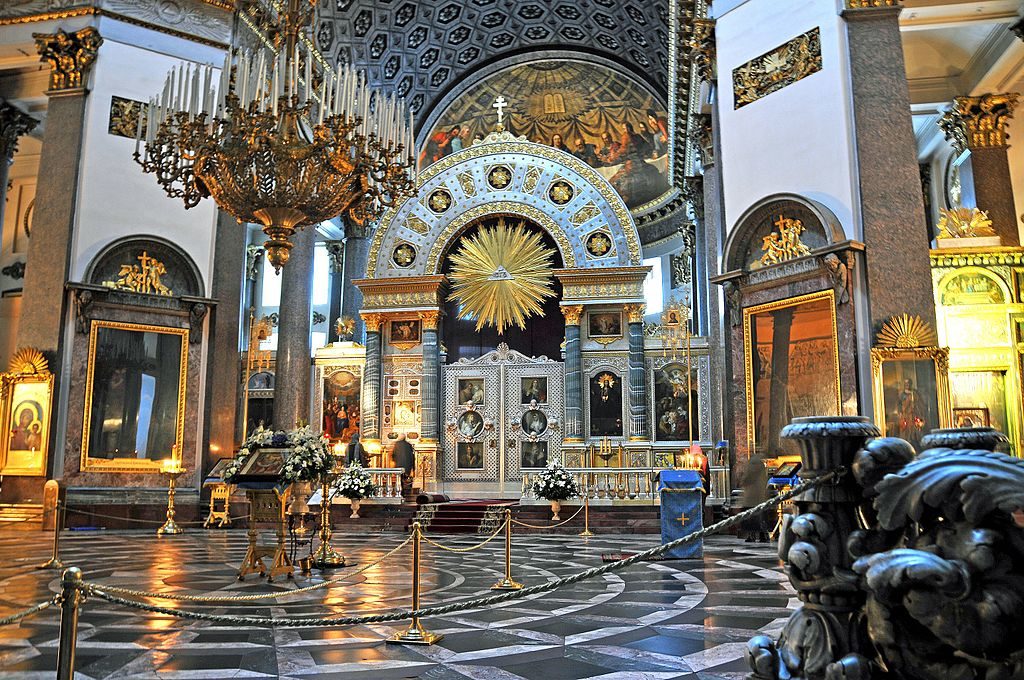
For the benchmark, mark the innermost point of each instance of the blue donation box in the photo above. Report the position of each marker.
(682, 495)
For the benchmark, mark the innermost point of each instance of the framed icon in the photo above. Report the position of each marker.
(533, 455)
(604, 325)
(404, 333)
(470, 424)
(471, 391)
(534, 422)
(469, 455)
(534, 388)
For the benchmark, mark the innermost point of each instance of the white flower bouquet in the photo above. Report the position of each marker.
(308, 456)
(555, 483)
(354, 483)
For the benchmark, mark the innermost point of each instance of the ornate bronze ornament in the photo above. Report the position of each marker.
(70, 56)
(979, 122)
(783, 66)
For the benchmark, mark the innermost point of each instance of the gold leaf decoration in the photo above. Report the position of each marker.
(906, 331)
(417, 225)
(501, 275)
(28, 361)
(964, 223)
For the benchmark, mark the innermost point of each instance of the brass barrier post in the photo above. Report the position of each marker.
(415, 634)
(71, 597)
(507, 583)
(58, 521)
(586, 533)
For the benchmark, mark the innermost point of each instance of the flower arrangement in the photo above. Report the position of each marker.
(308, 457)
(354, 483)
(555, 483)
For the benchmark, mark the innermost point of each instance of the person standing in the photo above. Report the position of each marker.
(405, 458)
(356, 452)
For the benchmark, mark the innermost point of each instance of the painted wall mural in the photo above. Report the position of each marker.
(599, 115)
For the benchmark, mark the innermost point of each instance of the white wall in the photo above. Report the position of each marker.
(800, 138)
(115, 198)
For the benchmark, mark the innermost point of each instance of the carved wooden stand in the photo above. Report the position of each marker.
(219, 492)
(267, 506)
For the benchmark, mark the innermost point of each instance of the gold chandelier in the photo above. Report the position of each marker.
(501, 275)
(276, 142)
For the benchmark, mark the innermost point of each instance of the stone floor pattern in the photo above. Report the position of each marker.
(659, 620)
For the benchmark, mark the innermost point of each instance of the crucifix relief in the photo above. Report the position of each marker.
(500, 104)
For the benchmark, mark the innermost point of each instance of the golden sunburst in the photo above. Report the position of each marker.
(906, 331)
(964, 223)
(501, 276)
(28, 361)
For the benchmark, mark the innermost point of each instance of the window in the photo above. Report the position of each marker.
(654, 292)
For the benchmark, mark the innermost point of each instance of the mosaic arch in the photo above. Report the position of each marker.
(596, 112)
(578, 207)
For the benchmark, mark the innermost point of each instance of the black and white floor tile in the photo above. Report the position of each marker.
(665, 620)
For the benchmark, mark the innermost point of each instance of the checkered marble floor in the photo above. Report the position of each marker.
(660, 620)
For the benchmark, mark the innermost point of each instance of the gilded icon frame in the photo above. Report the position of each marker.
(749, 314)
(9, 383)
(939, 358)
(138, 465)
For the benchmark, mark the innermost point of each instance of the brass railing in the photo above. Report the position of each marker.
(632, 484)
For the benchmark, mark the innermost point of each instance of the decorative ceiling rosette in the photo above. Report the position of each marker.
(501, 276)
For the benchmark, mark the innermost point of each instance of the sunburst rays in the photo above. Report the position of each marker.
(501, 276)
(906, 331)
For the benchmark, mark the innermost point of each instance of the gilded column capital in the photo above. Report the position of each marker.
(871, 4)
(430, 319)
(701, 45)
(572, 314)
(373, 321)
(70, 56)
(635, 312)
(979, 122)
(13, 124)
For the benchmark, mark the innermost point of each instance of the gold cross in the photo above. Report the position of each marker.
(683, 519)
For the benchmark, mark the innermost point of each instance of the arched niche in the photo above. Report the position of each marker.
(505, 176)
(182, 277)
(743, 247)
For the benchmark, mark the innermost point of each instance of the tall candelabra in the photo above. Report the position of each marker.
(278, 142)
(171, 468)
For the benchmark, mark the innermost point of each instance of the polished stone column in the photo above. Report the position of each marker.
(44, 305)
(13, 124)
(429, 425)
(336, 256)
(979, 124)
(357, 248)
(369, 409)
(223, 382)
(573, 374)
(891, 200)
(638, 430)
(294, 365)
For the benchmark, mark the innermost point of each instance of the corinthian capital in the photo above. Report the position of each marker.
(13, 124)
(869, 4)
(70, 56)
(979, 122)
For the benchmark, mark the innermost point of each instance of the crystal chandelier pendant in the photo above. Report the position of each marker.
(280, 141)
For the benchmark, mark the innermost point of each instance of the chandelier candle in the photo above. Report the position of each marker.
(276, 149)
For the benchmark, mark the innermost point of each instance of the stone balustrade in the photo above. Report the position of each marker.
(615, 484)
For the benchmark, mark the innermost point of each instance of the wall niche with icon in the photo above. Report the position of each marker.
(135, 366)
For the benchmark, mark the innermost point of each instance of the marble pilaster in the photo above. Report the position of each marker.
(369, 408)
(638, 430)
(357, 250)
(979, 124)
(429, 419)
(717, 315)
(222, 368)
(891, 201)
(294, 365)
(573, 374)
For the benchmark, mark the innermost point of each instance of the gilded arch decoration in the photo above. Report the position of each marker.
(570, 217)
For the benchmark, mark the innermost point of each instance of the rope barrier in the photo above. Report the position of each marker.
(42, 606)
(442, 610)
(90, 513)
(465, 550)
(186, 597)
(550, 526)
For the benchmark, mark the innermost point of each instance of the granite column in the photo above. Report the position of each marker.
(891, 200)
(292, 377)
(573, 374)
(357, 248)
(979, 124)
(638, 430)
(223, 379)
(369, 409)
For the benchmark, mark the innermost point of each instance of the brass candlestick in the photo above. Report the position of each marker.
(171, 470)
(326, 557)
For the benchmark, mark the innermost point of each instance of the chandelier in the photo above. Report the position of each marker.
(501, 276)
(277, 142)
